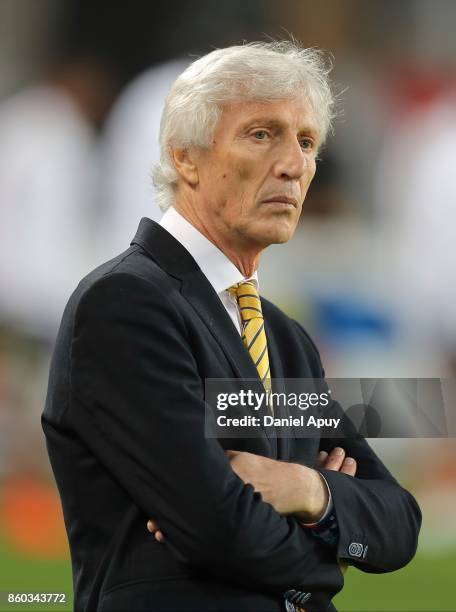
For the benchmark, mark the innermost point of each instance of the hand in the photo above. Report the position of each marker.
(275, 480)
(337, 461)
(291, 488)
(153, 527)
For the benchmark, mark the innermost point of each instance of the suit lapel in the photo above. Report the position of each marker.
(199, 293)
(172, 257)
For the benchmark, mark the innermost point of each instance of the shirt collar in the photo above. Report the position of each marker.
(215, 265)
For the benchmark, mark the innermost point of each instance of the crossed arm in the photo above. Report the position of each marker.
(290, 488)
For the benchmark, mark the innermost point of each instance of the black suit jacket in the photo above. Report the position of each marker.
(124, 422)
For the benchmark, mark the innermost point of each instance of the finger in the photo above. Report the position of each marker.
(159, 537)
(335, 459)
(152, 526)
(231, 453)
(349, 466)
(321, 458)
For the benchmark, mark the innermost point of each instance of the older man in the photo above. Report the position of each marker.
(261, 523)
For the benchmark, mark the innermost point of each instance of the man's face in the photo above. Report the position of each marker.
(254, 177)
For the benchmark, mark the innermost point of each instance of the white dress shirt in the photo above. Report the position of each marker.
(215, 265)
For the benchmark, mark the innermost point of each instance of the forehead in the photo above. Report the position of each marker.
(294, 114)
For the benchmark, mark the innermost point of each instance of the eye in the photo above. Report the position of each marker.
(260, 134)
(306, 143)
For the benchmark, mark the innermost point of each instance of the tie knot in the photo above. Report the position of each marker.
(248, 299)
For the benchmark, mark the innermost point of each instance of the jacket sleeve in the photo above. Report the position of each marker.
(378, 520)
(137, 400)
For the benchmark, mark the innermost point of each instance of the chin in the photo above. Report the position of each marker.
(282, 238)
(276, 236)
(270, 231)
(280, 232)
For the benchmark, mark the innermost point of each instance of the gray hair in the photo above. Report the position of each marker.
(254, 71)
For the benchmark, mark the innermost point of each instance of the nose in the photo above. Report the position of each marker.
(292, 162)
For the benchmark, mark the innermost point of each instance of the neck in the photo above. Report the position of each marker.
(246, 263)
(246, 259)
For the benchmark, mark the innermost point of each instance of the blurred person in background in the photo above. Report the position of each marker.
(415, 198)
(48, 172)
(124, 417)
(129, 150)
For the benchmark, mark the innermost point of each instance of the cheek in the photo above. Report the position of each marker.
(244, 171)
(242, 166)
(309, 175)
(312, 168)
(236, 181)
(234, 178)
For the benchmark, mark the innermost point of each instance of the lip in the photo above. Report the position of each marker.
(281, 199)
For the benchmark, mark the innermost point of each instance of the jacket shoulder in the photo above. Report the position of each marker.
(132, 262)
(123, 278)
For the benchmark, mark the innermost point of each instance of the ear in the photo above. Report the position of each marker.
(185, 164)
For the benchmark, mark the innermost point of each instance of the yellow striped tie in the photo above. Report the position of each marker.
(254, 335)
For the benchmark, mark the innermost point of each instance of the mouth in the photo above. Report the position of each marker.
(281, 201)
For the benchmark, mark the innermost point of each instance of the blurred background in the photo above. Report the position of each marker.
(370, 272)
